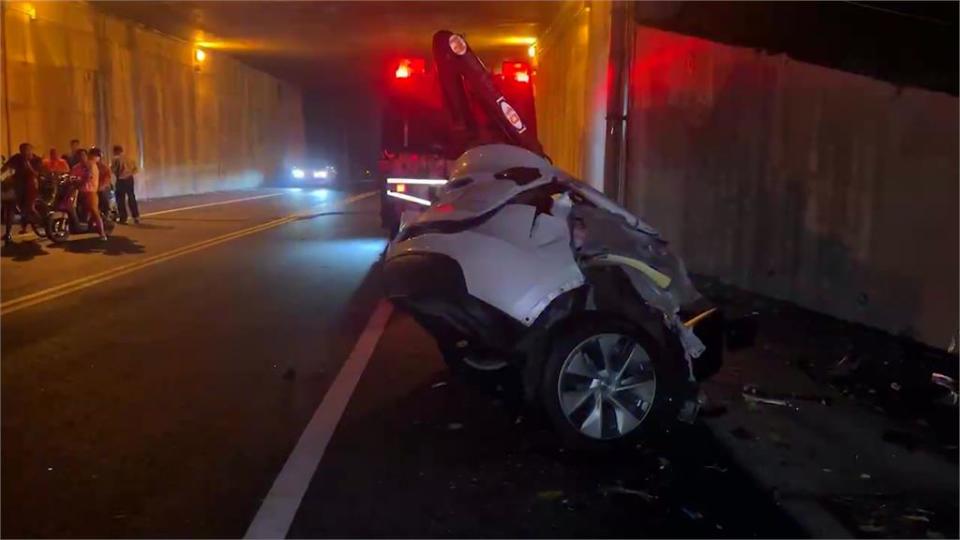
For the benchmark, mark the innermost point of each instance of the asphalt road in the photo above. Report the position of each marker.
(161, 389)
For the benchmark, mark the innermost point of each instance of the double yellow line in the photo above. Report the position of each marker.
(51, 293)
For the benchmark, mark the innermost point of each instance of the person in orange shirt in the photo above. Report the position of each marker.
(55, 164)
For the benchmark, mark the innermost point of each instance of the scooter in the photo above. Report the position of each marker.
(62, 219)
(42, 204)
(523, 273)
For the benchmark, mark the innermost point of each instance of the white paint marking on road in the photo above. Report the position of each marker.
(215, 203)
(280, 506)
(32, 299)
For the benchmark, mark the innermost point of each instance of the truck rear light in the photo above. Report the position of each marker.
(401, 188)
(516, 71)
(408, 67)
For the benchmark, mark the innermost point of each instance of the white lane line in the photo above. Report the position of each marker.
(215, 203)
(280, 506)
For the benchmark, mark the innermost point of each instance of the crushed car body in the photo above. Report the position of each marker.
(521, 272)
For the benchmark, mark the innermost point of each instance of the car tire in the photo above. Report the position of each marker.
(628, 413)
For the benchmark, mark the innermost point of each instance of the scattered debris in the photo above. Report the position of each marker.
(895, 386)
(519, 420)
(846, 367)
(949, 384)
(549, 495)
(438, 384)
(454, 426)
(826, 470)
(692, 514)
(717, 468)
(916, 517)
(768, 401)
(865, 476)
(627, 491)
(664, 463)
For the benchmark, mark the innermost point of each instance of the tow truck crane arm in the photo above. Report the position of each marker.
(458, 69)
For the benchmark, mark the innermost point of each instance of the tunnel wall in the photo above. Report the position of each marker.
(570, 88)
(72, 72)
(828, 189)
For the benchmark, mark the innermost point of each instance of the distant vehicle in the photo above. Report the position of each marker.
(307, 172)
(419, 139)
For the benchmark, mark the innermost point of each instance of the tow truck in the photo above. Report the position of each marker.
(429, 119)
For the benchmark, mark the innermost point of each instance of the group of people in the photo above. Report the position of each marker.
(21, 189)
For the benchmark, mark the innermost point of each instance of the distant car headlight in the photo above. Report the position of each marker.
(320, 174)
(298, 173)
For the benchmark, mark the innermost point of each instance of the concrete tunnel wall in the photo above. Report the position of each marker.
(70, 71)
(831, 190)
(570, 90)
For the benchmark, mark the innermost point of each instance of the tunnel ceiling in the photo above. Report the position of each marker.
(330, 44)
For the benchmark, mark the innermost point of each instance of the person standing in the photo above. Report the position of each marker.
(26, 168)
(55, 164)
(106, 183)
(123, 170)
(74, 156)
(89, 174)
(8, 202)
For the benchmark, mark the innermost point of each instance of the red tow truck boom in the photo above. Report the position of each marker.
(458, 69)
(432, 117)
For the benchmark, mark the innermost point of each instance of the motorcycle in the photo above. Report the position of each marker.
(62, 219)
(520, 271)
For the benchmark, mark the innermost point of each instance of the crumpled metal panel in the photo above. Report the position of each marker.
(601, 237)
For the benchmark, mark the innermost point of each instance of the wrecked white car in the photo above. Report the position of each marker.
(519, 270)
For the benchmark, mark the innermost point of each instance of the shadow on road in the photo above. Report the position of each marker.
(116, 245)
(23, 251)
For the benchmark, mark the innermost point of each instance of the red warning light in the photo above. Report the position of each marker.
(408, 67)
(516, 71)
